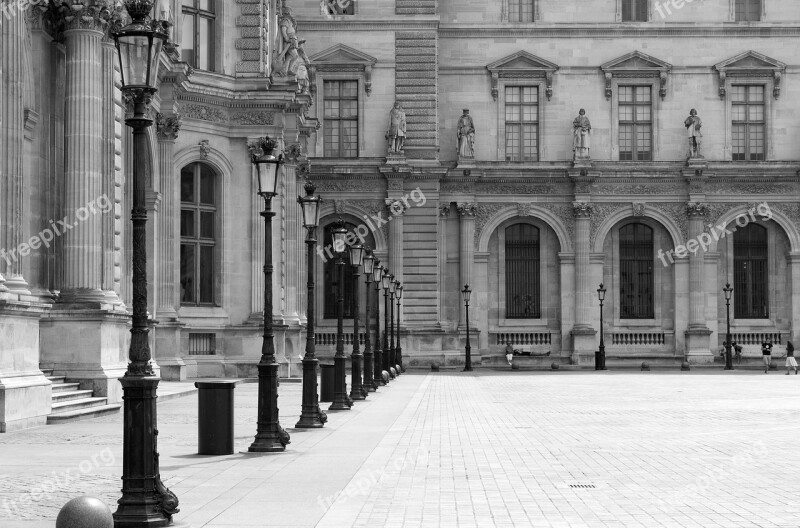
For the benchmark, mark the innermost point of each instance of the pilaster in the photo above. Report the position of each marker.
(395, 210)
(697, 334)
(466, 255)
(582, 332)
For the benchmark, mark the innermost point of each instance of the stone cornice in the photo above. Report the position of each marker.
(369, 24)
(614, 31)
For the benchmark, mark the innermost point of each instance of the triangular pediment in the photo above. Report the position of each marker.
(750, 61)
(636, 61)
(522, 61)
(341, 54)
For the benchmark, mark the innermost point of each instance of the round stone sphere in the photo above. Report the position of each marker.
(645, 365)
(554, 365)
(385, 376)
(398, 369)
(85, 512)
(393, 372)
(685, 366)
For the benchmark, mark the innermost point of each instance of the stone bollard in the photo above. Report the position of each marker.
(685, 366)
(645, 365)
(554, 365)
(85, 512)
(434, 367)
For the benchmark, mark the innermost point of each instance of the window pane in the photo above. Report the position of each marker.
(755, 93)
(206, 274)
(206, 185)
(205, 44)
(187, 38)
(750, 274)
(187, 274)
(512, 142)
(207, 5)
(522, 272)
(636, 272)
(331, 89)
(187, 223)
(206, 225)
(187, 184)
(512, 112)
(738, 93)
(512, 94)
(626, 94)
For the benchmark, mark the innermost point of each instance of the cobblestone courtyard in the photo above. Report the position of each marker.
(443, 449)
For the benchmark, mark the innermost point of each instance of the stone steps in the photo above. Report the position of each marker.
(71, 404)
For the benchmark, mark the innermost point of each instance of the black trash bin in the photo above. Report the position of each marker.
(327, 381)
(215, 417)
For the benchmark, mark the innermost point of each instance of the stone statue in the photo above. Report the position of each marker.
(581, 130)
(397, 128)
(291, 53)
(693, 124)
(466, 136)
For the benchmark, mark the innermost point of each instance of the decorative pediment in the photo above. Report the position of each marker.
(636, 64)
(522, 65)
(341, 58)
(750, 64)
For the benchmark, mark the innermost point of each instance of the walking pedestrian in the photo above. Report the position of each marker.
(509, 352)
(766, 355)
(791, 362)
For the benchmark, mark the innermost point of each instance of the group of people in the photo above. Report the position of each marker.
(766, 355)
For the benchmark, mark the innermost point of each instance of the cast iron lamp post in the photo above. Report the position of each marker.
(466, 292)
(311, 415)
(600, 357)
(341, 402)
(398, 293)
(386, 350)
(357, 391)
(369, 267)
(270, 436)
(145, 500)
(377, 277)
(728, 356)
(392, 346)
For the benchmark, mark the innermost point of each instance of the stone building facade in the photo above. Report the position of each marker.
(533, 209)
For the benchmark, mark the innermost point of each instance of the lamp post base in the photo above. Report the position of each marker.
(312, 416)
(341, 402)
(270, 436)
(357, 391)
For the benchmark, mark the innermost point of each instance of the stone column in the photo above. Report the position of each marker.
(794, 271)
(167, 129)
(582, 332)
(697, 335)
(109, 170)
(84, 182)
(396, 209)
(466, 255)
(12, 151)
(291, 232)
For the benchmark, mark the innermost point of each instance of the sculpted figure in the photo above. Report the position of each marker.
(397, 128)
(693, 124)
(291, 54)
(581, 130)
(466, 136)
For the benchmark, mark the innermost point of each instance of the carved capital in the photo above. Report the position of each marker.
(638, 208)
(696, 209)
(582, 209)
(444, 210)
(167, 128)
(396, 207)
(467, 209)
(292, 152)
(93, 15)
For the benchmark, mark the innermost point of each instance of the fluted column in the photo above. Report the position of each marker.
(466, 255)
(583, 292)
(84, 182)
(696, 212)
(291, 231)
(12, 113)
(167, 128)
(396, 209)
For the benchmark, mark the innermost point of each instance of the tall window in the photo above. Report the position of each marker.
(523, 299)
(197, 44)
(522, 123)
(750, 272)
(198, 223)
(331, 278)
(635, 123)
(636, 272)
(748, 10)
(747, 105)
(341, 119)
(634, 10)
(520, 10)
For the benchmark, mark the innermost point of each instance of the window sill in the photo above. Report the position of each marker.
(522, 325)
(202, 312)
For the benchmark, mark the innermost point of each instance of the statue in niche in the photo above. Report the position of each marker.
(466, 136)
(291, 55)
(397, 129)
(693, 124)
(581, 130)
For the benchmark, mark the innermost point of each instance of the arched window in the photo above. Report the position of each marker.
(750, 283)
(636, 272)
(523, 294)
(198, 227)
(331, 309)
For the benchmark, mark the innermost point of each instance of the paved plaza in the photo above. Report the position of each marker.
(481, 449)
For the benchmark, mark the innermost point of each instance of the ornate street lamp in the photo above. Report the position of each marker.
(465, 293)
(357, 391)
(369, 268)
(385, 280)
(600, 356)
(377, 277)
(341, 402)
(392, 349)
(145, 500)
(398, 293)
(728, 356)
(270, 436)
(311, 415)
